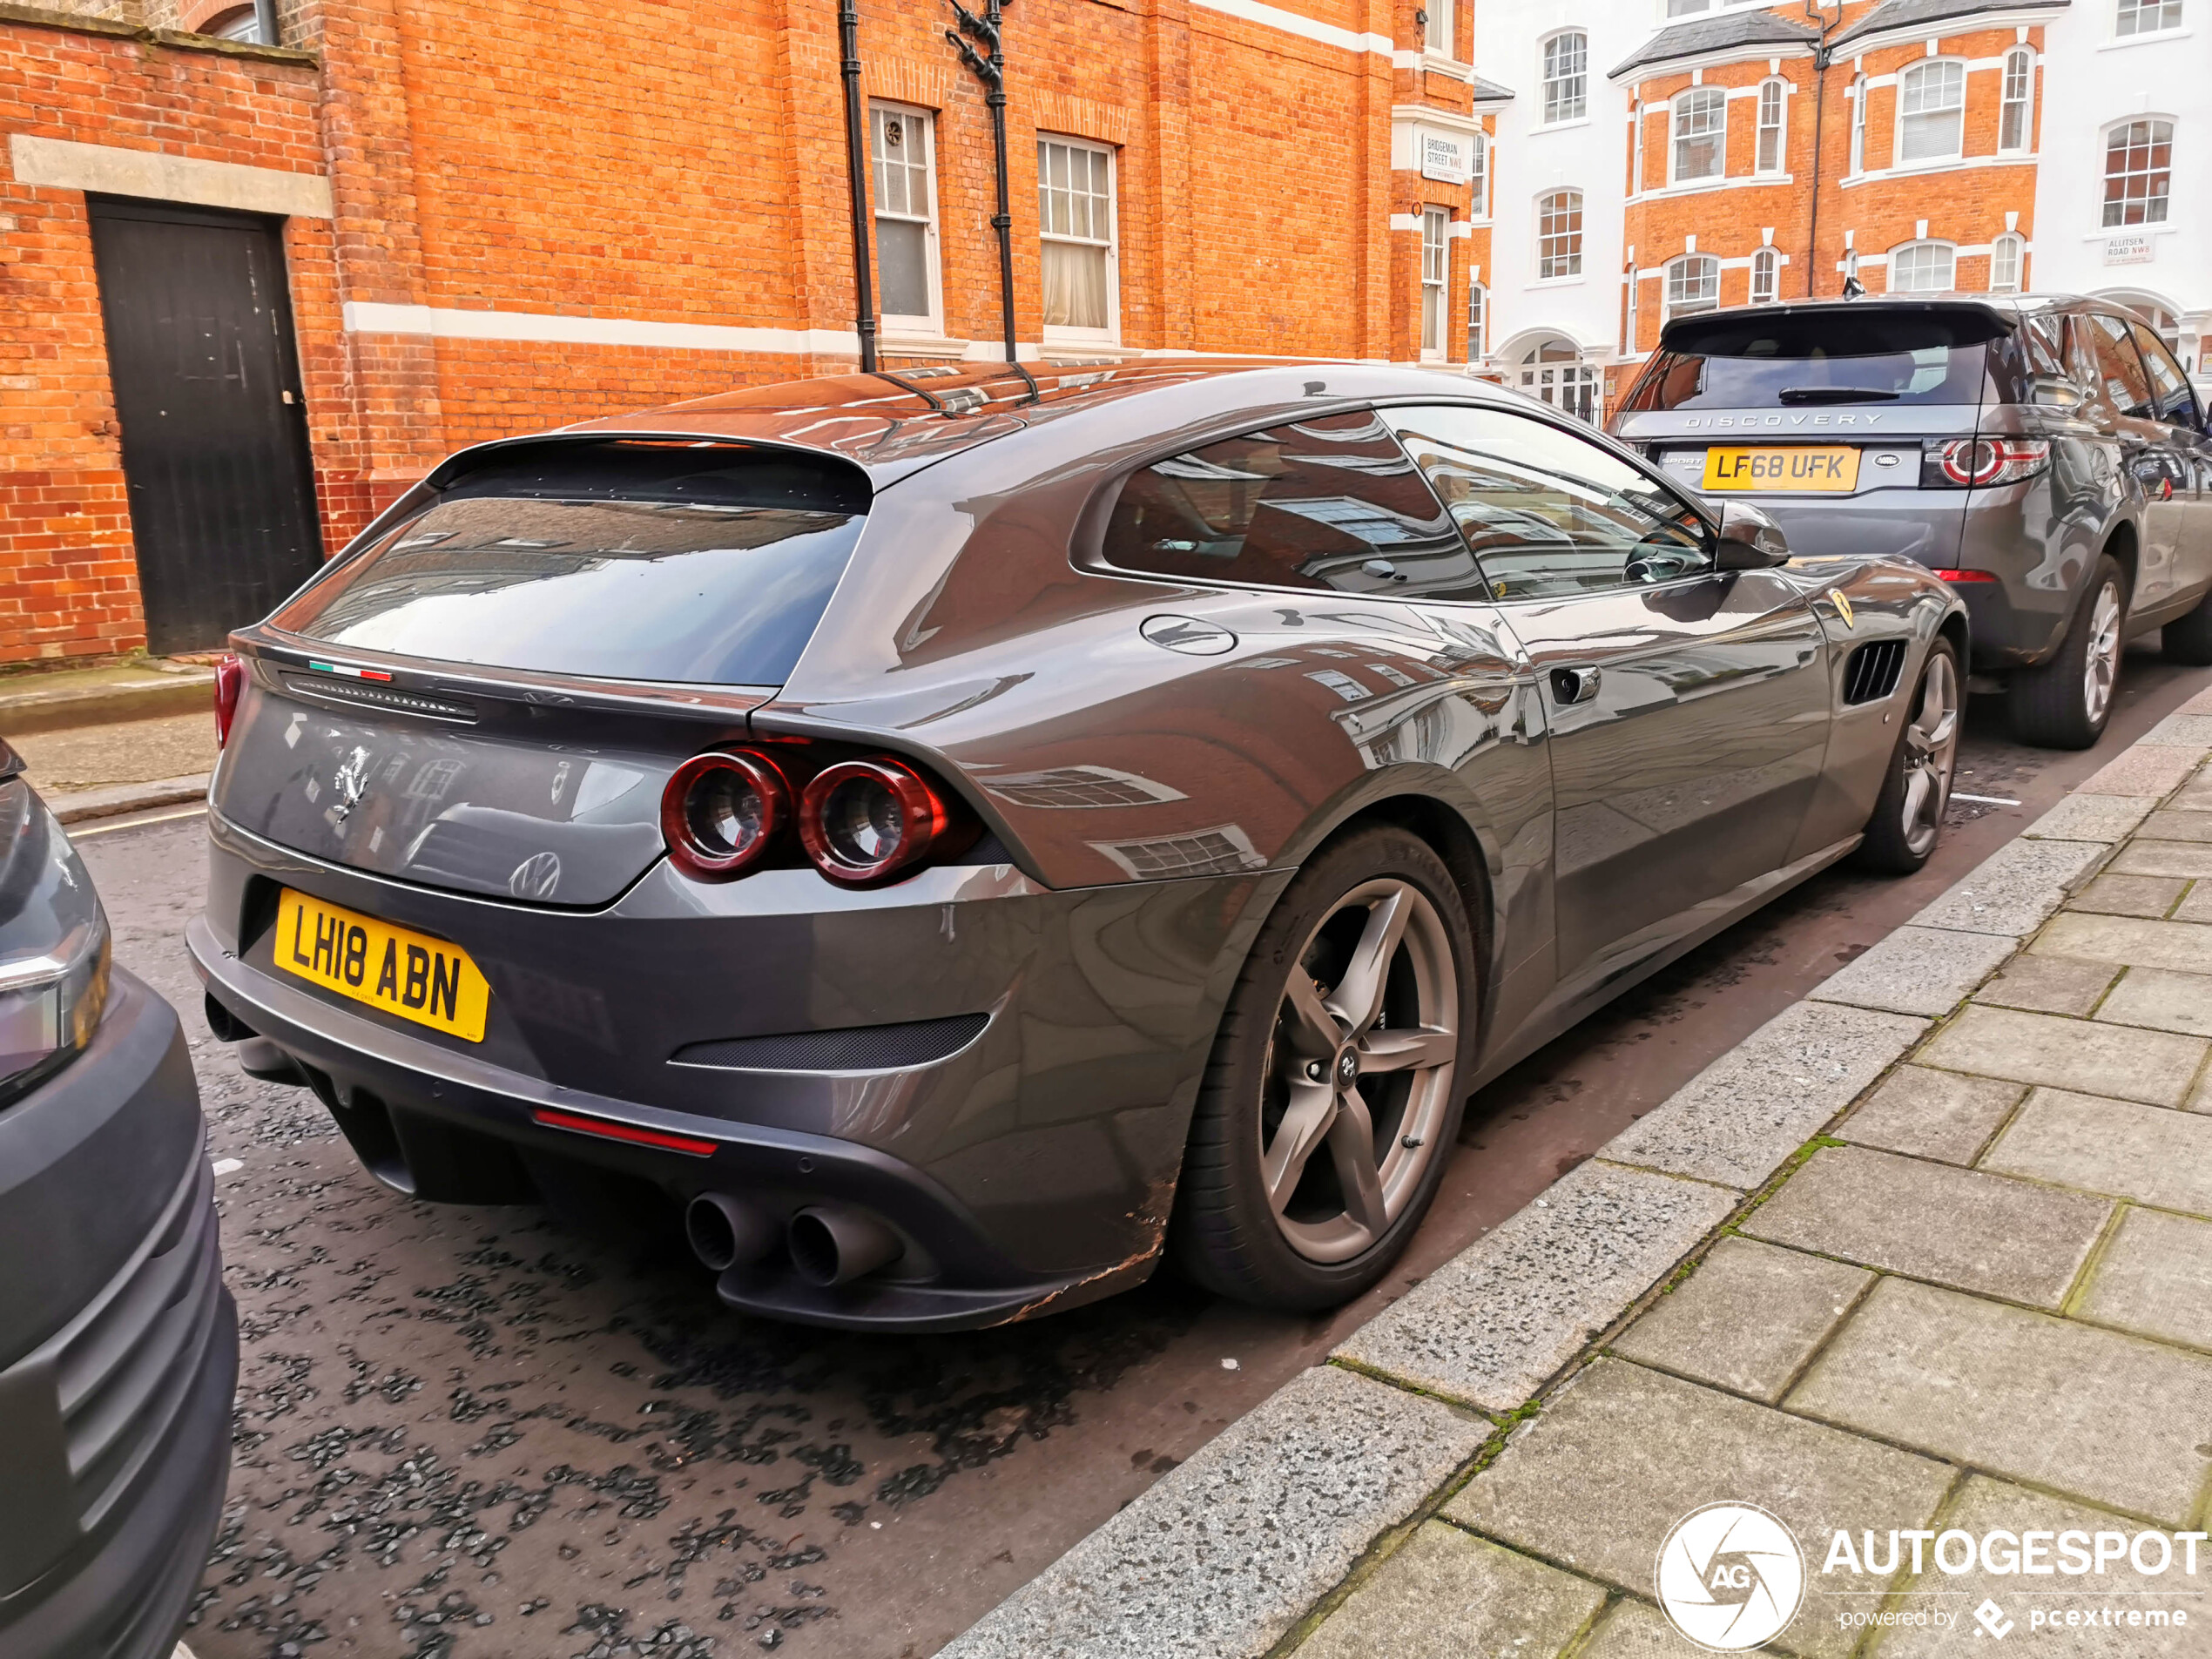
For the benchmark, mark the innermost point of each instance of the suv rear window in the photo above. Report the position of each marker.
(618, 561)
(1820, 360)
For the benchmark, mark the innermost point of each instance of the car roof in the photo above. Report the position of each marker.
(895, 421)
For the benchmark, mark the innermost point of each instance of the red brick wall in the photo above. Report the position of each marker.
(547, 157)
(68, 585)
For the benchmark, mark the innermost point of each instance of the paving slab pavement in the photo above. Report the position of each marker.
(1957, 1281)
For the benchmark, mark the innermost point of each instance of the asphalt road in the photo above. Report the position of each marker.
(474, 1432)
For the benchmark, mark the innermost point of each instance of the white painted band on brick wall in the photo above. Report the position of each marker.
(448, 322)
(1291, 23)
(59, 163)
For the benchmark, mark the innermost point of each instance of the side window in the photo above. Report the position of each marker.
(2175, 403)
(1548, 513)
(2120, 372)
(1332, 504)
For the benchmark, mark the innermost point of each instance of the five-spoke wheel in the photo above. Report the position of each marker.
(1333, 1093)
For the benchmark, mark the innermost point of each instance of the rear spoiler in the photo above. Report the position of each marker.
(1970, 322)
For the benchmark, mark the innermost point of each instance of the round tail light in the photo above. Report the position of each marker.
(863, 820)
(721, 812)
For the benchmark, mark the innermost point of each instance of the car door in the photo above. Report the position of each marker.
(1687, 707)
(2148, 451)
(2174, 410)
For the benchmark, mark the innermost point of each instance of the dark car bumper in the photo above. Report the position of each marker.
(120, 1348)
(1028, 1168)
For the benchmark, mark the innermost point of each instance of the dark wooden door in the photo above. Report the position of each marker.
(215, 433)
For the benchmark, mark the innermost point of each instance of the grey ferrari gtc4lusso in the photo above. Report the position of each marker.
(964, 834)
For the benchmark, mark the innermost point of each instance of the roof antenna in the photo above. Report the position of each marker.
(1853, 287)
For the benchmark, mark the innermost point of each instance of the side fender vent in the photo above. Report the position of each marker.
(1870, 673)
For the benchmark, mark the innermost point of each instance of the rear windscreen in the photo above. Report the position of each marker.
(674, 569)
(1820, 360)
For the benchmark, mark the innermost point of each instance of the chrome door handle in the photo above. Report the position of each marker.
(1571, 686)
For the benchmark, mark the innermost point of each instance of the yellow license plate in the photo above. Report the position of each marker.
(401, 972)
(1830, 466)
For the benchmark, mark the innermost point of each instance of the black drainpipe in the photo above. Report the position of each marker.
(991, 71)
(1820, 61)
(848, 29)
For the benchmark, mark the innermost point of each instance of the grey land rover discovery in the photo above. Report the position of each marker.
(2044, 454)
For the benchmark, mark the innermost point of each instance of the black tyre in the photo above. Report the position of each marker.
(1333, 1094)
(1907, 820)
(2064, 703)
(2187, 639)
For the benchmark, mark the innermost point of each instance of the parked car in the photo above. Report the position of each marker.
(2044, 455)
(118, 1345)
(962, 834)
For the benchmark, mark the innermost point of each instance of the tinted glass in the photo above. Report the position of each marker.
(1819, 360)
(2123, 382)
(1550, 513)
(1332, 503)
(2170, 389)
(657, 568)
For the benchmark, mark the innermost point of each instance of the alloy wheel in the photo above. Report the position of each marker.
(1930, 753)
(2101, 666)
(1359, 1070)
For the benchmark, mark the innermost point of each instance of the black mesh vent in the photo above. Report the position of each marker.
(1872, 670)
(378, 696)
(860, 1047)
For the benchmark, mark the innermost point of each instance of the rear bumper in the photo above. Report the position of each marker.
(435, 1125)
(117, 1440)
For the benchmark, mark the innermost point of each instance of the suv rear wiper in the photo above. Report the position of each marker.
(1833, 394)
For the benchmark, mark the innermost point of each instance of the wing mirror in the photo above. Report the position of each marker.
(1749, 539)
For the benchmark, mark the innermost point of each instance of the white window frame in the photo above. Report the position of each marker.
(1859, 127)
(1582, 227)
(1629, 316)
(1766, 276)
(2011, 247)
(2025, 103)
(1436, 280)
(1478, 322)
(2167, 18)
(1436, 36)
(1896, 253)
(932, 259)
(1678, 108)
(1555, 112)
(2165, 203)
(1059, 334)
(1672, 306)
(1779, 127)
(1911, 73)
(1479, 177)
(1637, 113)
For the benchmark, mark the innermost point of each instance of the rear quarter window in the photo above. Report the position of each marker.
(665, 564)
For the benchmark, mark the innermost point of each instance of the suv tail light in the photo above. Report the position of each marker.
(721, 814)
(230, 681)
(1959, 463)
(861, 821)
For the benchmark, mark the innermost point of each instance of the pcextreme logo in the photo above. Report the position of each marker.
(1730, 1576)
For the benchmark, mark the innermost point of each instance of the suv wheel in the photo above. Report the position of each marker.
(1333, 1095)
(1908, 814)
(2064, 703)
(2187, 639)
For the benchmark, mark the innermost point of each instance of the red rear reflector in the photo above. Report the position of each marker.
(230, 681)
(606, 1131)
(1966, 576)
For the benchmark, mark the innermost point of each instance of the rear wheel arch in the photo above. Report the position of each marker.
(1449, 835)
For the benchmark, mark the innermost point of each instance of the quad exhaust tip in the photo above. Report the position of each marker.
(835, 1245)
(725, 1232)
